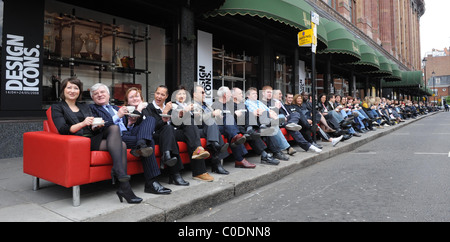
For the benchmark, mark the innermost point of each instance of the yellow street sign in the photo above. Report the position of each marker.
(305, 38)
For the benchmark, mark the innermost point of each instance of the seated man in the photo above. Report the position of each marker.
(264, 116)
(293, 119)
(164, 134)
(203, 113)
(137, 136)
(230, 115)
(187, 131)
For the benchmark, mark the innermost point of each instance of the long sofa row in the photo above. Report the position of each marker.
(67, 160)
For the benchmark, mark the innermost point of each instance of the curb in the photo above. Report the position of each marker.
(203, 196)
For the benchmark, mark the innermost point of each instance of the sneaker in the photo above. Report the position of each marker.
(315, 149)
(200, 153)
(293, 127)
(336, 140)
(204, 177)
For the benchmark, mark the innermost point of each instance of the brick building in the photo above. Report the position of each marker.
(394, 25)
(437, 74)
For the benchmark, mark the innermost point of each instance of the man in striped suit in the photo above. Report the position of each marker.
(137, 137)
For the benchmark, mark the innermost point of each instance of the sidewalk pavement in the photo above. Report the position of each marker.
(99, 202)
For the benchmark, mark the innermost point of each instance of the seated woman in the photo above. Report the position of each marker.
(307, 106)
(307, 126)
(74, 118)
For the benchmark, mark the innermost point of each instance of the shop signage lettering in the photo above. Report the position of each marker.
(204, 78)
(21, 82)
(22, 67)
(204, 64)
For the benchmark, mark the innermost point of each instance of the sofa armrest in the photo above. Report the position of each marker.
(61, 159)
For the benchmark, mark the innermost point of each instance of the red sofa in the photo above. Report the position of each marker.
(67, 160)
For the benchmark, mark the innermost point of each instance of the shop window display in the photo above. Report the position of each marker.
(98, 47)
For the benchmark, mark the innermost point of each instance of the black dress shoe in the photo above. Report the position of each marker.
(142, 150)
(280, 156)
(156, 188)
(250, 133)
(268, 159)
(168, 160)
(217, 148)
(216, 167)
(177, 180)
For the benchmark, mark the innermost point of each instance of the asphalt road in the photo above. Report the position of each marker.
(403, 176)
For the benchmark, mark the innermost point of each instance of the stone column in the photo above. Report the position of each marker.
(187, 49)
(385, 24)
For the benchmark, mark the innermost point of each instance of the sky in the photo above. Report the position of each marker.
(434, 30)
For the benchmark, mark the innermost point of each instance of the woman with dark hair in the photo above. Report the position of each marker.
(72, 117)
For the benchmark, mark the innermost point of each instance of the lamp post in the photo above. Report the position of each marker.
(424, 61)
(434, 83)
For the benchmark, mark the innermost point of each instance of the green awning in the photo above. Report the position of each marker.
(385, 66)
(412, 83)
(410, 79)
(342, 45)
(321, 31)
(296, 14)
(369, 59)
(396, 73)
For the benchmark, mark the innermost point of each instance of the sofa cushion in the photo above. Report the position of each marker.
(103, 158)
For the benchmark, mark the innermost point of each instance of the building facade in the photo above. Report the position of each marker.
(437, 74)
(240, 43)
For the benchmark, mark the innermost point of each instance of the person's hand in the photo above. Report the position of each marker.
(141, 106)
(167, 108)
(273, 114)
(188, 107)
(122, 111)
(217, 113)
(88, 121)
(278, 104)
(132, 120)
(238, 113)
(259, 112)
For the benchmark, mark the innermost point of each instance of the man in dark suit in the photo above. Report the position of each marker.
(164, 134)
(248, 124)
(209, 115)
(137, 137)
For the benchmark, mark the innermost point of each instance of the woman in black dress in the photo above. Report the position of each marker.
(74, 118)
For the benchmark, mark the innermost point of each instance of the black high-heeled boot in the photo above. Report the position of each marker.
(177, 180)
(126, 192)
(115, 178)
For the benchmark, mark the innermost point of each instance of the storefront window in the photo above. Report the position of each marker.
(233, 69)
(98, 47)
(284, 73)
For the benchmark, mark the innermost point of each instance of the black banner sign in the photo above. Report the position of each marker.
(21, 70)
